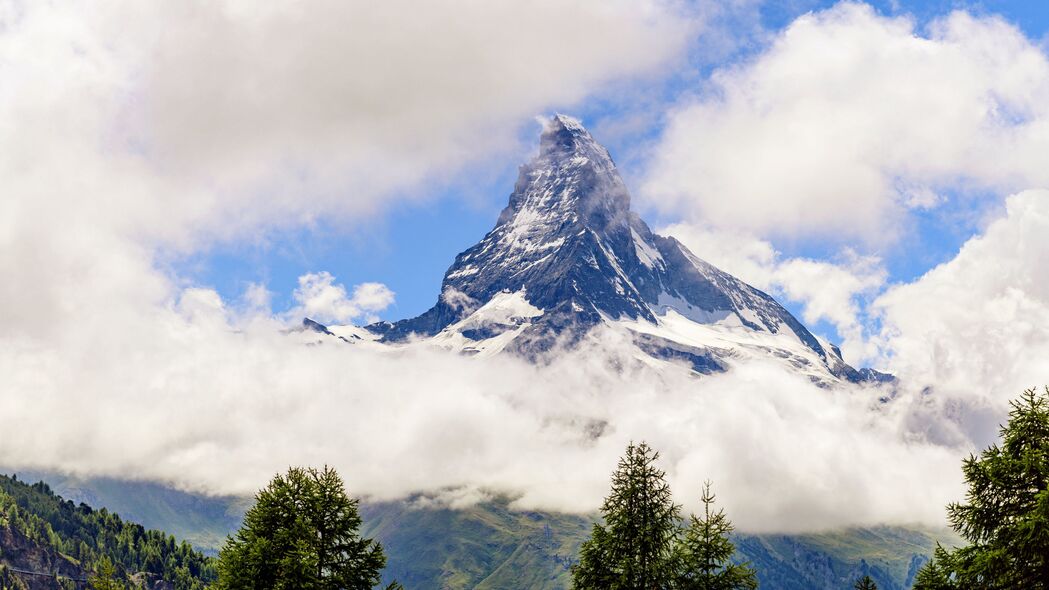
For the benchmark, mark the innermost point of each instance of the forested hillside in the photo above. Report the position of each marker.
(62, 543)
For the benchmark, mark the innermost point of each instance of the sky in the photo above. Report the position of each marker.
(183, 182)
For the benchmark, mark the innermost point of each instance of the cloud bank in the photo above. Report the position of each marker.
(974, 328)
(212, 400)
(850, 119)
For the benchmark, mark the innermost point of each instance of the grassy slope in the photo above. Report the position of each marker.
(890, 555)
(484, 546)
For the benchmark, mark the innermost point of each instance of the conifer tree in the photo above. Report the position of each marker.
(936, 574)
(633, 548)
(865, 583)
(105, 574)
(704, 553)
(1005, 517)
(302, 533)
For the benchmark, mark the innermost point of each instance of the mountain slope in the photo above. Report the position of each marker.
(567, 254)
(45, 539)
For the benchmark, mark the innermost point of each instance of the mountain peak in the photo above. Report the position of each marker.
(567, 254)
(572, 180)
(563, 131)
(564, 135)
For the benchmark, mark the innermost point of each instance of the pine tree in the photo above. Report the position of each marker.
(633, 548)
(865, 583)
(936, 574)
(1005, 517)
(302, 533)
(704, 553)
(105, 575)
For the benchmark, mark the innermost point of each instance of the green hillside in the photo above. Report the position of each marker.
(889, 555)
(44, 533)
(483, 546)
(203, 521)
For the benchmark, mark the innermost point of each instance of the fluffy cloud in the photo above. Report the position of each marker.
(973, 328)
(849, 119)
(214, 402)
(321, 299)
(173, 122)
(145, 132)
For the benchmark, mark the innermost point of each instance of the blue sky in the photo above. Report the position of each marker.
(409, 244)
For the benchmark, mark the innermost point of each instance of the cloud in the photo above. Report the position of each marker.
(849, 119)
(321, 299)
(351, 102)
(216, 402)
(149, 131)
(176, 124)
(973, 328)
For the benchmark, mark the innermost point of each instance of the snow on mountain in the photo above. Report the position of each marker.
(567, 254)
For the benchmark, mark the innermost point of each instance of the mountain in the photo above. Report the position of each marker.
(567, 255)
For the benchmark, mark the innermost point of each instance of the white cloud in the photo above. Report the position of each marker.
(974, 328)
(321, 299)
(209, 402)
(146, 131)
(835, 292)
(850, 118)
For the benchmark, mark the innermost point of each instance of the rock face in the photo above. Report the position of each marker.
(27, 564)
(568, 254)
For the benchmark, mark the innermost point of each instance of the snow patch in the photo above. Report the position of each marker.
(668, 302)
(645, 252)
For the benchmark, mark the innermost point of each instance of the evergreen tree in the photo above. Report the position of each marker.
(633, 549)
(704, 553)
(936, 574)
(105, 574)
(865, 583)
(1005, 517)
(302, 533)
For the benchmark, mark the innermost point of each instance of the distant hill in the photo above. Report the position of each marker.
(49, 542)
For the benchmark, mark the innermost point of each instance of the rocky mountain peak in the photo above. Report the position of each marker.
(567, 254)
(572, 180)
